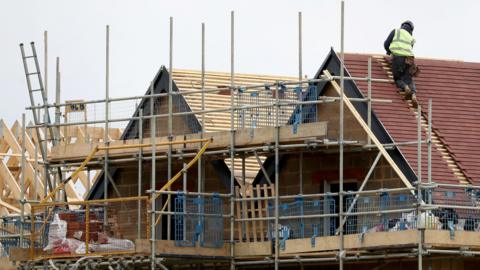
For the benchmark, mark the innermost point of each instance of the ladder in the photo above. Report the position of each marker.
(32, 75)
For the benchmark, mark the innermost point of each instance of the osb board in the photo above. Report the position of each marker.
(253, 249)
(168, 247)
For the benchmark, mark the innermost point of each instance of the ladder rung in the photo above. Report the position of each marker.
(32, 73)
(36, 90)
(28, 56)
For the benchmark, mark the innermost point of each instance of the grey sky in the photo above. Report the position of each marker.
(266, 38)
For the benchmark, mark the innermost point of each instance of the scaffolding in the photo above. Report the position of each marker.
(200, 218)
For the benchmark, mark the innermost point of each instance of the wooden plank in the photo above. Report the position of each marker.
(441, 239)
(164, 247)
(254, 249)
(260, 214)
(245, 213)
(221, 140)
(272, 190)
(238, 215)
(6, 264)
(377, 240)
(252, 213)
(267, 214)
(20, 254)
(372, 136)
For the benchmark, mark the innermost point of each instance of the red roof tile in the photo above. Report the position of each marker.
(454, 88)
(397, 117)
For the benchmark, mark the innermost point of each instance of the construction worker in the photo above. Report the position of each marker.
(399, 44)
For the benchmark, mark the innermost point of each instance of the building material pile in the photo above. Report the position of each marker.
(71, 232)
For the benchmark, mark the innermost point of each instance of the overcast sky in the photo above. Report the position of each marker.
(266, 38)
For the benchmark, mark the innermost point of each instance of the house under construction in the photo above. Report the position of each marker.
(224, 170)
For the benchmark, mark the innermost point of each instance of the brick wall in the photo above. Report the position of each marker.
(126, 179)
(330, 112)
(319, 167)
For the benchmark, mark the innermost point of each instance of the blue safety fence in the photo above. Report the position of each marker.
(368, 217)
(302, 226)
(198, 219)
(10, 230)
(304, 113)
(257, 106)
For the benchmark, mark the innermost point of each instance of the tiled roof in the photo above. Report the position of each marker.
(454, 88)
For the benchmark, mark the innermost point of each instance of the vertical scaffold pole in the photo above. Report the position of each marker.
(369, 104)
(45, 102)
(35, 151)
(107, 105)
(58, 113)
(419, 186)
(300, 62)
(202, 134)
(232, 137)
(45, 62)
(429, 149)
(153, 189)
(170, 122)
(22, 183)
(340, 189)
(140, 171)
(45, 79)
(300, 77)
(277, 137)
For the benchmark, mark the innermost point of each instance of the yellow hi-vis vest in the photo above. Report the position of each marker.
(402, 43)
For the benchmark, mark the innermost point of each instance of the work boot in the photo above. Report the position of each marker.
(408, 92)
(414, 100)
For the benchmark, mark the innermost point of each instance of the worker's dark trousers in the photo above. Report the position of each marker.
(401, 73)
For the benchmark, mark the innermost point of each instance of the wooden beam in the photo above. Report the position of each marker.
(29, 146)
(80, 135)
(10, 207)
(71, 192)
(12, 183)
(83, 179)
(11, 140)
(4, 211)
(370, 134)
(30, 151)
